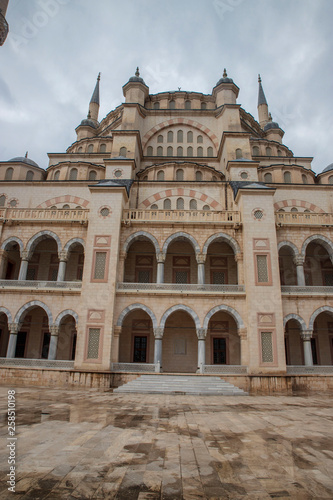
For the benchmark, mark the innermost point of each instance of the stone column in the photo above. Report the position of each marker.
(201, 333)
(201, 259)
(63, 257)
(24, 266)
(3, 263)
(242, 332)
(240, 268)
(160, 268)
(121, 264)
(299, 262)
(306, 336)
(14, 329)
(115, 344)
(54, 331)
(158, 334)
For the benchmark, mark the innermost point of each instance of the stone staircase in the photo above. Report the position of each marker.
(180, 384)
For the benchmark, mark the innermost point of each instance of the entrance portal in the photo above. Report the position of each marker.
(180, 344)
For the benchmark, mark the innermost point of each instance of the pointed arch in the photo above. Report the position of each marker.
(296, 318)
(288, 244)
(141, 234)
(66, 198)
(6, 311)
(63, 314)
(15, 240)
(31, 305)
(226, 238)
(134, 307)
(42, 235)
(325, 242)
(226, 309)
(72, 242)
(181, 236)
(180, 307)
(316, 313)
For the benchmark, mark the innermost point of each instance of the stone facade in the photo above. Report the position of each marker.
(177, 234)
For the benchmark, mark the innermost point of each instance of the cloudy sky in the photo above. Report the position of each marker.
(55, 49)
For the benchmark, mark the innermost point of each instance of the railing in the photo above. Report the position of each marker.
(300, 218)
(68, 285)
(225, 369)
(45, 214)
(38, 363)
(295, 290)
(183, 287)
(306, 370)
(133, 367)
(203, 216)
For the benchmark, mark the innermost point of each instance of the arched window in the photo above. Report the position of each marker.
(170, 151)
(306, 211)
(198, 176)
(90, 148)
(200, 151)
(57, 175)
(154, 207)
(190, 136)
(268, 151)
(180, 136)
(279, 152)
(281, 210)
(268, 177)
(193, 204)
(210, 151)
(9, 174)
(287, 177)
(255, 151)
(102, 148)
(73, 174)
(188, 104)
(330, 179)
(190, 151)
(66, 206)
(160, 138)
(159, 151)
(145, 178)
(180, 174)
(180, 204)
(203, 105)
(239, 153)
(150, 151)
(160, 175)
(170, 136)
(80, 149)
(156, 105)
(206, 207)
(179, 151)
(167, 204)
(172, 104)
(304, 179)
(294, 209)
(200, 139)
(123, 151)
(92, 175)
(2, 200)
(214, 179)
(29, 176)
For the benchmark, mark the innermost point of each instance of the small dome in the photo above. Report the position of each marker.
(137, 78)
(271, 125)
(24, 159)
(224, 79)
(88, 123)
(328, 168)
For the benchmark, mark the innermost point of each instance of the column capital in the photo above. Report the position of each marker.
(201, 333)
(24, 255)
(158, 333)
(306, 335)
(242, 332)
(117, 331)
(201, 258)
(54, 330)
(299, 260)
(63, 256)
(238, 256)
(14, 328)
(160, 257)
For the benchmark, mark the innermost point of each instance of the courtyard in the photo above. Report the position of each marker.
(88, 444)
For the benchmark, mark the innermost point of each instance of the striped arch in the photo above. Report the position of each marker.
(327, 309)
(30, 305)
(192, 193)
(66, 198)
(6, 311)
(224, 237)
(180, 121)
(134, 307)
(141, 234)
(297, 203)
(180, 307)
(13, 239)
(288, 244)
(181, 236)
(226, 309)
(296, 318)
(74, 241)
(42, 235)
(325, 242)
(63, 314)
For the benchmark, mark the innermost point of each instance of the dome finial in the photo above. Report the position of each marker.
(270, 119)
(225, 74)
(26, 155)
(99, 76)
(137, 73)
(259, 78)
(89, 115)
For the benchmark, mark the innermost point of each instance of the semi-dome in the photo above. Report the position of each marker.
(224, 79)
(24, 159)
(137, 78)
(328, 168)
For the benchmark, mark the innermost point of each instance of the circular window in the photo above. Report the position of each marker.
(244, 175)
(13, 203)
(104, 212)
(118, 173)
(258, 214)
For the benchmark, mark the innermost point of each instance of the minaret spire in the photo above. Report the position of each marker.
(94, 101)
(262, 105)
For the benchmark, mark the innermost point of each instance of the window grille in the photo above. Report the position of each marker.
(180, 175)
(180, 136)
(9, 174)
(198, 176)
(102, 148)
(93, 343)
(31, 273)
(267, 347)
(73, 174)
(193, 204)
(143, 276)
(190, 151)
(154, 207)
(160, 138)
(190, 136)
(170, 136)
(2, 200)
(181, 277)
(29, 176)
(200, 151)
(258, 214)
(200, 139)
(105, 212)
(268, 178)
(218, 278)
(92, 175)
(262, 269)
(159, 151)
(179, 151)
(210, 151)
(160, 175)
(244, 175)
(167, 204)
(150, 151)
(180, 204)
(100, 261)
(287, 177)
(170, 151)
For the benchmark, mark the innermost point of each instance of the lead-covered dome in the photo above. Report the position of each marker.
(224, 79)
(137, 78)
(24, 159)
(328, 168)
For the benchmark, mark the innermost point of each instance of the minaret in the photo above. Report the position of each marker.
(262, 106)
(94, 102)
